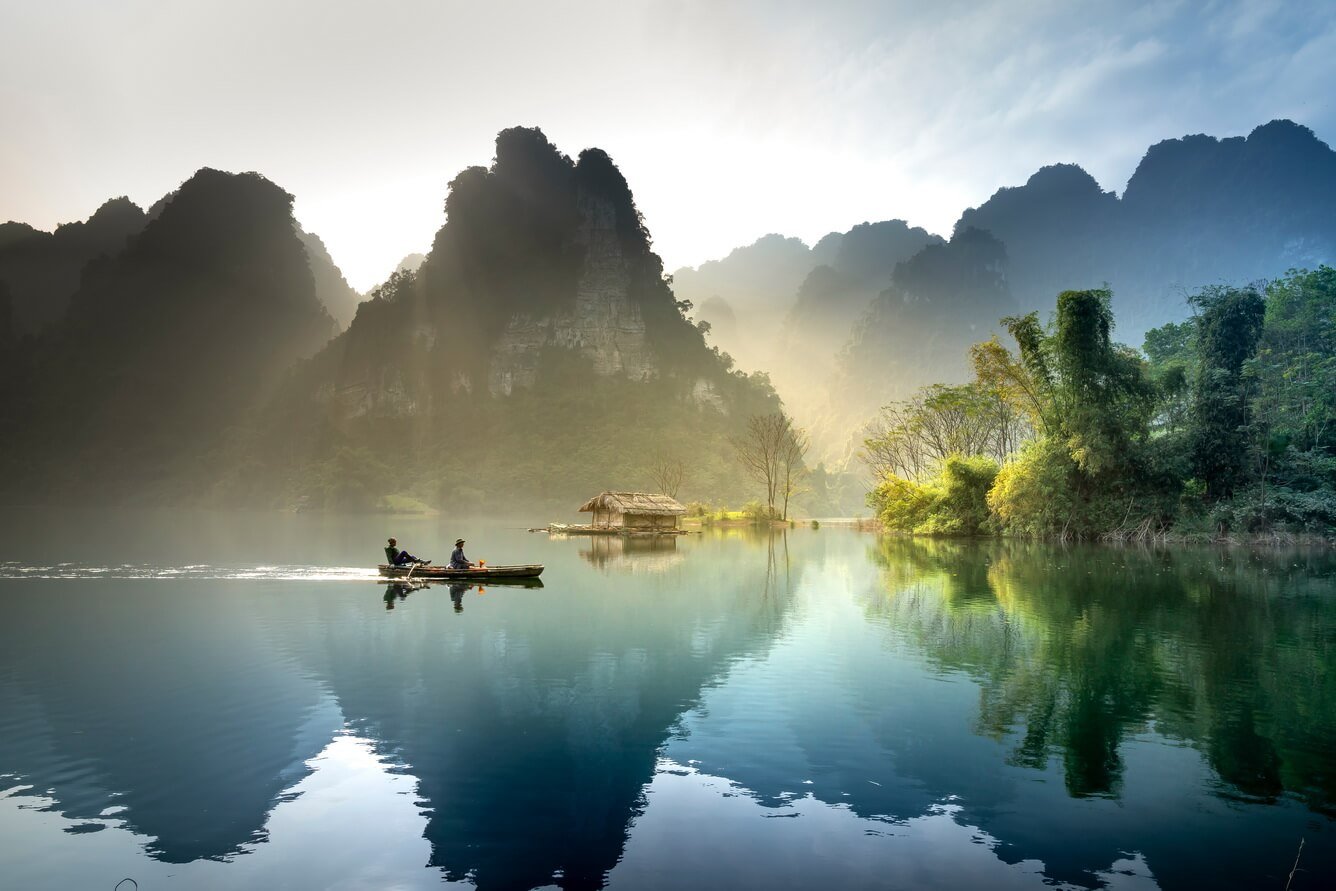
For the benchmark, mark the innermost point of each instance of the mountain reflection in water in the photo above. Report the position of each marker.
(923, 714)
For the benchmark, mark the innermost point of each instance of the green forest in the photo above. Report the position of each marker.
(1220, 425)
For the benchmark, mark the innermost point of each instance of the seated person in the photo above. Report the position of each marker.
(401, 558)
(457, 559)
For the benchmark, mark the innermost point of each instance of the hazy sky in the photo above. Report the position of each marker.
(731, 119)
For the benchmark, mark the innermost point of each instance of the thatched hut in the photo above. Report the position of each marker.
(634, 511)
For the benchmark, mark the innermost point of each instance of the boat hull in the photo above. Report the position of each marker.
(478, 573)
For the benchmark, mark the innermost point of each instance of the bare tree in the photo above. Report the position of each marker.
(667, 471)
(793, 470)
(771, 452)
(910, 439)
(758, 451)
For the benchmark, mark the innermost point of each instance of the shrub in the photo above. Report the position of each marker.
(1034, 495)
(902, 505)
(756, 511)
(955, 502)
(961, 507)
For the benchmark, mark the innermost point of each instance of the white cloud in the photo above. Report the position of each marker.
(730, 120)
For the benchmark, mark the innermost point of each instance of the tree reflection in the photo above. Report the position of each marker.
(1077, 649)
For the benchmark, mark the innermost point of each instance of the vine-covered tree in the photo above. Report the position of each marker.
(1228, 329)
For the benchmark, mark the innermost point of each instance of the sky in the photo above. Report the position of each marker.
(730, 119)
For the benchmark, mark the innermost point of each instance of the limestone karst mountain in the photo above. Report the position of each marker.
(830, 302)
(1197, 211)
(777, 299)
(918, 331)
(537, 352)
(539, 253)
(540, 351)
(165, 345)
(177, 371)
(331, 288)
(40, 270)
(753, 287)
(410, 263)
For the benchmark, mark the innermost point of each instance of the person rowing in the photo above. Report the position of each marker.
(402, 558)
(457, 559)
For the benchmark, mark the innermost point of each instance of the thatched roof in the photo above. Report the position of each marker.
(634, 503)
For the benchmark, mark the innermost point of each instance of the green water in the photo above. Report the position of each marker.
(222, 701)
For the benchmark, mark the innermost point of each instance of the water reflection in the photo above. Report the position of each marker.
(534, 736)
(1084, 647)
(798, 709)
(113, 695)
(1085, 654)
(654, 553)
(398, 591)
(530, 730)
(311, 836)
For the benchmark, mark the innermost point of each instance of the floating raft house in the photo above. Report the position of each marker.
(628, 513)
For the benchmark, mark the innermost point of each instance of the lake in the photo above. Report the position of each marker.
(203, 700)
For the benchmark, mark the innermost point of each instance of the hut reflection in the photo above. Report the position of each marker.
(657, 553)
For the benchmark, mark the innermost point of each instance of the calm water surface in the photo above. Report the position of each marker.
(223, 701)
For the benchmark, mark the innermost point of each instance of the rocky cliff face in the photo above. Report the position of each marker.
(603, 325)
(542, 261)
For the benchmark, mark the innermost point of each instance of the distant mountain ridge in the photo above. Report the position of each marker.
(540, 349)
(165, 346)
(41, 270)
(761, 296)
(1197, 211)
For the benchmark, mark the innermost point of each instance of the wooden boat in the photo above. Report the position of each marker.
(477, 573)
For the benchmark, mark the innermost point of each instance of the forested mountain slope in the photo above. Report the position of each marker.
(537, 353)
(164, 347)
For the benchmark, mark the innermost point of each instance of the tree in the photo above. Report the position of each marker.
(1228, 330)
(1296, 358)
(667, 471)
(912, 438)
(1089, 399)
(953, 502)
(793, 471)
(771, 452)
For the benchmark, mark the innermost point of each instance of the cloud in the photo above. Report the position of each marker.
(730, 119)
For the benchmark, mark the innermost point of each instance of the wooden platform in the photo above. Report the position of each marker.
(581, 529)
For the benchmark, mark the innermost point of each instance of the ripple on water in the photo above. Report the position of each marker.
(201, 571)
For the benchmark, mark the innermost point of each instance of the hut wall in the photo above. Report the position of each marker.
(603, 517)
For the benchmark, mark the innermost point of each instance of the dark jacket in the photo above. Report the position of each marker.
(458, 560)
